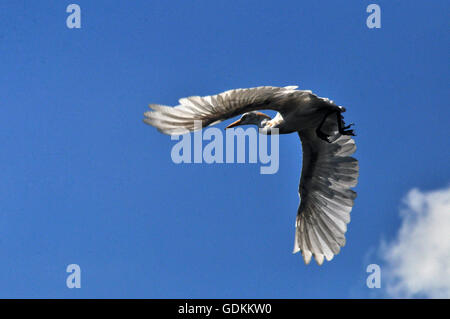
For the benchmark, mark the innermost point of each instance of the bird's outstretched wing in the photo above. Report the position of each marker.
(328, 173)
(215, 108)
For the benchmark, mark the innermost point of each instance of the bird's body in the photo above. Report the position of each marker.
(328, 171)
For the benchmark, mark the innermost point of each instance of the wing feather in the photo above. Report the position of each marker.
(216, 108)
(328, 173)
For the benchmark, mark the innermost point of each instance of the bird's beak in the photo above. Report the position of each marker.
(237, 123)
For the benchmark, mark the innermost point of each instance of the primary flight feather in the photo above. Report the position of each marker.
(328, 173)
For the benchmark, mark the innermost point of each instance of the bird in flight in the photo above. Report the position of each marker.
(328, 170)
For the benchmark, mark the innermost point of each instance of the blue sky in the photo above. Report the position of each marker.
(84, 181)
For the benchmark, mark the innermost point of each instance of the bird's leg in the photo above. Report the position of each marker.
(320, 134)
(323, 136)
(342, 128)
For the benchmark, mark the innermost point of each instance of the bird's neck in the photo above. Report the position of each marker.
(266, 125)
(263, 123)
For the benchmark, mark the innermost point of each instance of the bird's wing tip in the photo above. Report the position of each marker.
(306, 256)
(319, 259)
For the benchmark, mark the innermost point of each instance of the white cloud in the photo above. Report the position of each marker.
(417, 261)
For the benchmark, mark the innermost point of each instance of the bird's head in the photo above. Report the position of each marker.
(254, 117)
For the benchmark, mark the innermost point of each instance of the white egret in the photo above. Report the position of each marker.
(328, 172)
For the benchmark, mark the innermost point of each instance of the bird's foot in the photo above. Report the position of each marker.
(342, 128)
(345, 130)
(348, 126)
